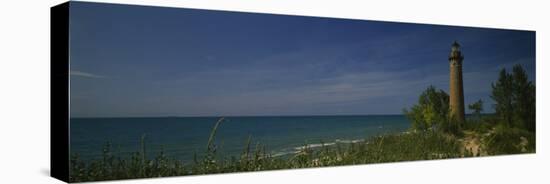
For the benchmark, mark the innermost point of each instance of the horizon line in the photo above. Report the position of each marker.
(247, 116)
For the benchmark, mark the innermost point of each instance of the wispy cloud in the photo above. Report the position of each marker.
(84, 74)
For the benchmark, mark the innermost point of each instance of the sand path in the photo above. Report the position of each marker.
(472, 142)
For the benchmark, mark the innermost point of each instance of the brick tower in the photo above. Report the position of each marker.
(456, 90)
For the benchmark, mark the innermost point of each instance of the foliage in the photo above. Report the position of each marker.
(431, 112)
(378, 149)
(509, 140)
(524, 99)
(477, 123)
(481, 124)
(451, 126)
(476, 108)
(515, 99)
(502, 95)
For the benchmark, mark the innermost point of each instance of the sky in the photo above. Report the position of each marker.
(137, 61)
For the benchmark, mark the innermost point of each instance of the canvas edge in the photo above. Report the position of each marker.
(59, 91)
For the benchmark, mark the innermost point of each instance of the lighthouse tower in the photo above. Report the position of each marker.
(456, 90)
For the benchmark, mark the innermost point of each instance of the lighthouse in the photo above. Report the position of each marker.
(456, 90)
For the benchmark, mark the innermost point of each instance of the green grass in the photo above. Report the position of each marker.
(494, 138)
(498, 138)
(379, 149)
(509, 140)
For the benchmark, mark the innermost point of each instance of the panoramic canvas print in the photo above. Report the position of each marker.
(158, 91)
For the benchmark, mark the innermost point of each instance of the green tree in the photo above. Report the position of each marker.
(502, 95)
(523, 99)
(476, 108)
(515, 97)
(431, 111)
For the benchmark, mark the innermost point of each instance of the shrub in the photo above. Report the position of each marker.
(431, 112)
(509, 140)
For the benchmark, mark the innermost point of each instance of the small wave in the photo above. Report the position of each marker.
(316, 145)
(283, 153)
(298, 149)
(350, 141)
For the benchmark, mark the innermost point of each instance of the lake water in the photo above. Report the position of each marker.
(182, 137)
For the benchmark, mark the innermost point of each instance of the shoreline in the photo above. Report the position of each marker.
(393, 147)
(375, 149)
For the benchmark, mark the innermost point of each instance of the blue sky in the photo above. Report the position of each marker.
(151, 61)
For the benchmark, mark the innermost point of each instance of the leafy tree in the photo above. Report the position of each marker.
(476, 107)
(431, 111)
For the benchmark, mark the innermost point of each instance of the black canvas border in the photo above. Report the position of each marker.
(59, 91)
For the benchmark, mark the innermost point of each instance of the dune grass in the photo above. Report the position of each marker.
(378, 149)
(408, 146)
